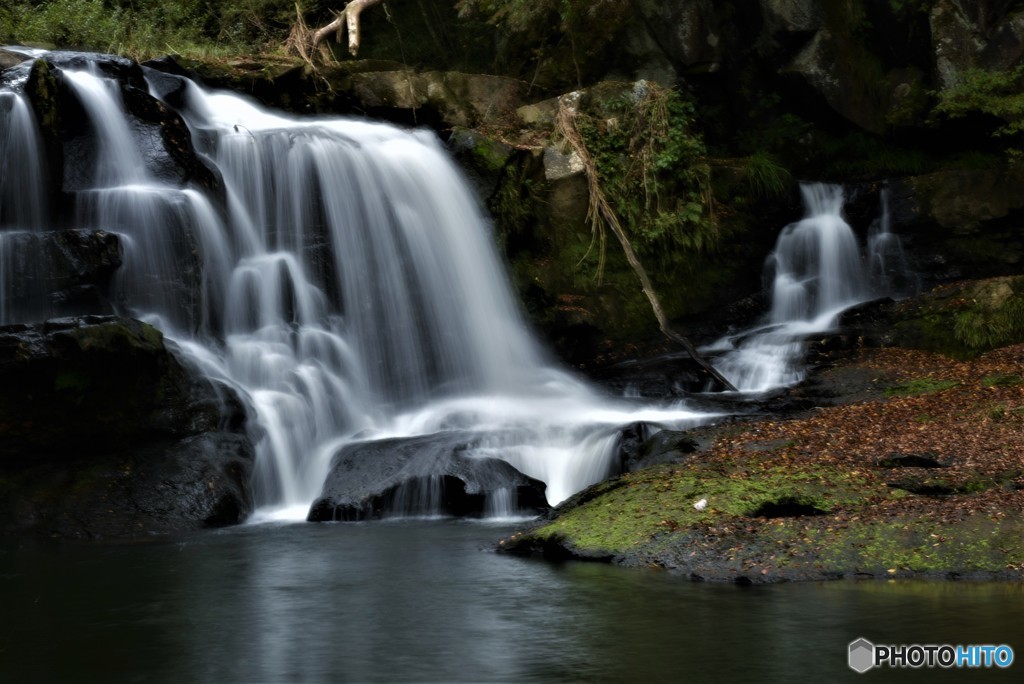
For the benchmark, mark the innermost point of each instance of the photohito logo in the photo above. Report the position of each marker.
(864, 655)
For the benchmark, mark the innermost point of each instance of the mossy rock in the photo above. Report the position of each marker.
(620, 517)
(963, 319)
(744, 523)
(104, 432)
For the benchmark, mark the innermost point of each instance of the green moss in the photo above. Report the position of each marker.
(661, 500)
(914, 544)
(919, 386)
(112, 336)
(71, 381)
(966, 319)
(1002, 380)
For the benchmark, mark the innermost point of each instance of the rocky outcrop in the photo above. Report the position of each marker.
(163, 139)
(428, 475)
(77, 266)
(974, 35)
(106, 433)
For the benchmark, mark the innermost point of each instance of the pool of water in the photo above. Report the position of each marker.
(430, 601)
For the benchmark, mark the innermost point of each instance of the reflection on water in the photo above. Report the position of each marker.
(428, 601)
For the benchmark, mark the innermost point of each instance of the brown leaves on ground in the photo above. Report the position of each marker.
(968, 418)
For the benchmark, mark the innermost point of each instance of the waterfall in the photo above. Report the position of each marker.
(22, 171)
(888, 268)
(816, 271)
(344, 281)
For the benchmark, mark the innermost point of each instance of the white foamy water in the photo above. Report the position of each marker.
(817, 270)
(348, 288)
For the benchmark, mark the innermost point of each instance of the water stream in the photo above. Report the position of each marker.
(347, 287)
(816, 271)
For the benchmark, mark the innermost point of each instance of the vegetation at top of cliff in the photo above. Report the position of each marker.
(145, 28)
(998, 95)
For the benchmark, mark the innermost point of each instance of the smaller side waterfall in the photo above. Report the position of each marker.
(815, 272)
(888, 269)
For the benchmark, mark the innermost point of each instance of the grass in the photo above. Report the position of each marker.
(919, 386)
(658, 500)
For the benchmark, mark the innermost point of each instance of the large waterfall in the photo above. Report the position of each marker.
(341, 276)
(345, 284)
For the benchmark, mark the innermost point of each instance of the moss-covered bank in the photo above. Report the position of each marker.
(922, 475)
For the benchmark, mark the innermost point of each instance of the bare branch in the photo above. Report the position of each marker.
(602, 214)
(305, 41)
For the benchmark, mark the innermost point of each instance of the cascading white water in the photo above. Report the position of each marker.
(23, 202)
(348, 288)
(816, 271)
(888, 268)
(22, 175)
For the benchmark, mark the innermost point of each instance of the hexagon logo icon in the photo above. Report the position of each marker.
(862, 655)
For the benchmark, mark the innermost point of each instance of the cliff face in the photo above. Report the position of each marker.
(916, 94)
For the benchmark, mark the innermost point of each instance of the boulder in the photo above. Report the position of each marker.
(442, 98)
(9, 59)
(974, 35)
(435, 474)
(963, 199)
(642, 445)
(792, 16)
(76, 265)
(689, 33)
(105, 432)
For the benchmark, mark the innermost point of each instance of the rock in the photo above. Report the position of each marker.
(443, 99)
(792, 16)
(427, 475)
(689, 32)
(974, 35)
(642, 445)
(9, 59)
(961, 319)
(482, 157)
(105, 432)
(76, 265)
(669, 375)
(846, 75)
(963, 199)
(559, 165)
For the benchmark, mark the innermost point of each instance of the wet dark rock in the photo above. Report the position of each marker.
(426, 475)
(643, 444)
(670, 375)
(160, 134)
(911, 461)
(77, 266)
(107, 433)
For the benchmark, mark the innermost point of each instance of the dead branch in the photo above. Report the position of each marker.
(306, 42)
(600, 214)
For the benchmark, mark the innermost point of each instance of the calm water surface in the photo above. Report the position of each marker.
(429, 601)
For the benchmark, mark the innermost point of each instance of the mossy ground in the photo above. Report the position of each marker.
(861, 489)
